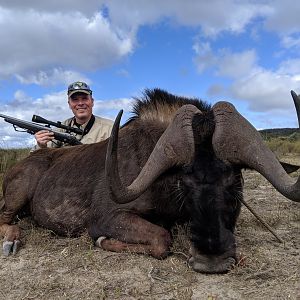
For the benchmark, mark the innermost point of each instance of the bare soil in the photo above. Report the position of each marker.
(52, 267)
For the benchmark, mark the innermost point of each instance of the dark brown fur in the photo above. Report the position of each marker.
(66, 190)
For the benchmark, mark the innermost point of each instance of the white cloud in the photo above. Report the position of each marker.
(235, 65)
(213, 16)
(40, 48)
(290, 66)
(225, 62)
(263, 90)
(283, 16)
(290, 41)
(99, 33)
(41, 41)
(205, 57)
(52, 77)
(66, 6)
(124, 103)
(110, 108)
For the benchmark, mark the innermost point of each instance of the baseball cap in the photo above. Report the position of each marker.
(79, 87)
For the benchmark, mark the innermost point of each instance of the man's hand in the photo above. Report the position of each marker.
(43, 137)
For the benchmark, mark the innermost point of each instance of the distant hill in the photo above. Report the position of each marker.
(292, 134)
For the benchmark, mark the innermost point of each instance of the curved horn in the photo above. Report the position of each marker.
(237, 141)
(296, 99)
(175, 147)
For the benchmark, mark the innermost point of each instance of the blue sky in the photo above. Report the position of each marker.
(245, 52)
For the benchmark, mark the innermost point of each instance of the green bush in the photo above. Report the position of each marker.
(8, 157)
(284, 145)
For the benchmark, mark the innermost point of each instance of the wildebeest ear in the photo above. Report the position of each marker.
(289, 168)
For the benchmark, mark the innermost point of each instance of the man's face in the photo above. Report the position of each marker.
(82, 106)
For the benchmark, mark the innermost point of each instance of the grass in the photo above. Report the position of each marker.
(284, 146)
(282, 142)
(8, 157)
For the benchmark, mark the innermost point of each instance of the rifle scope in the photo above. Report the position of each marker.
(58, 124)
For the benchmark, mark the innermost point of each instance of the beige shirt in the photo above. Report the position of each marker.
(100, 131)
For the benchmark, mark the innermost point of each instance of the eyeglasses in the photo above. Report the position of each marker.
(79, 86)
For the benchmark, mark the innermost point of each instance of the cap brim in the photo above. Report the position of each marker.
(79, 91)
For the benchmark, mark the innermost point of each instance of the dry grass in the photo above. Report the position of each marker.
(282, 146)
(8, 157)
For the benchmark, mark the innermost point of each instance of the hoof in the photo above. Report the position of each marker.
(99, 241)
(11, 247)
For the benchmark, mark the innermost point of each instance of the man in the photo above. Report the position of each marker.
(81, 102)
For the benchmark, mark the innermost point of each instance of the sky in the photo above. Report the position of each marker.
(244, 52)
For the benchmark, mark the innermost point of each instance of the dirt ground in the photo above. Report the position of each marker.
(52, 267)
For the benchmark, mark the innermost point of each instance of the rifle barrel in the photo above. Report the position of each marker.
(39, 119)
(32, 128)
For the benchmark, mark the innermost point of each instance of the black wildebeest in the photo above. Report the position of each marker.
(177, 159)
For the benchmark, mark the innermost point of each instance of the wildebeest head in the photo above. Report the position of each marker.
(234, 144)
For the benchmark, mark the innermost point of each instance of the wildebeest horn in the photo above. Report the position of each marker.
(296, 99)
(175, 147)
(237, 141)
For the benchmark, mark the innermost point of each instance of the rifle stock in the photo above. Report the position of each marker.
(32, 128)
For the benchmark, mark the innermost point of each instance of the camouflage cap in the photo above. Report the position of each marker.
(79, 87)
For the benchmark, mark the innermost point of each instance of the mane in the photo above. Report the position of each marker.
(160, 106)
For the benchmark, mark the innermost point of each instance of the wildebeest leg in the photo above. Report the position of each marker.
(18, 188)
(129, 232)
(13, 202)
(11, 233)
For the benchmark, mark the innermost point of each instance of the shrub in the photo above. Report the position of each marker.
(8, 157)
(284, 145)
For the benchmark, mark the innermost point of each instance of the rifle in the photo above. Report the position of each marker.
(57, 124)
(32, 128)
